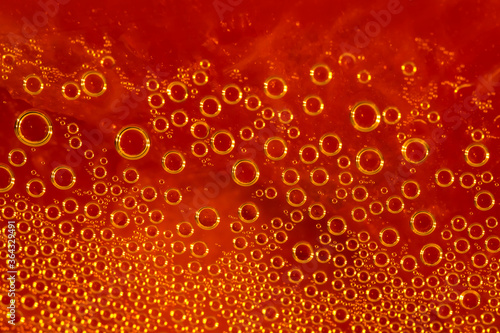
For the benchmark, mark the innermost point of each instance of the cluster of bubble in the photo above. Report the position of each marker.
(308, 249)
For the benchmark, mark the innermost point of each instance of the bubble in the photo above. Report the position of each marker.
(7, 178)
(210, 106)
(285, 116)
(484, 200)
(100, 172)
(477, 135)
(345, 178)
(75, 142)
(245, 172)
(423, 223)
(467, 180)
(330, 144)
(130, 175)
(290, 177)
(492, 244)
(296, 197)
(93, 83)
(200, 78)
(35, 188)
(369, 161)
(433, 117)
(148, 194)
(173, 162)
(199, 149)
(33, 128)
(271, 193)
(323, 255)
(461, 245)
(321, 74)
(389, 237)
(178, 247)
(476, 154)
(177, 91)
(179, 118)
(338, 285)
(296, 216)
(479, 260)
(408, 263)
(275, 148)
(341, 193)
(199, 249)
(33, 84)
(376, 208)
(458, 223)
(207, 218)
(240, 243)
(70, 205)
(63, 177)
(474, 281)
(295, 275)
(156, 100)
(252, 103)
(308, 154)
(92, 210)
(275, 87)
(491, 222)
(319, 176)
(470, 299)
(313, 105)
(359, 193)
(410, 189)
(108, 62)
(415, 150)
(359, 214)
(408, 68)
(17, 157)
(316, 211)
(152, 85)
(391, 115)
(52, 212)
(70, 91)
(222, 142)
(364, 76)
(444, 177)
(365, 116)
(156, 216)
(232, 94)
(476, 231)
(200, 130)
(373, 294)
(486, 177)
(132, 143)
(8, 60)
(248, 212)
(431, 254)
(340, 315)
